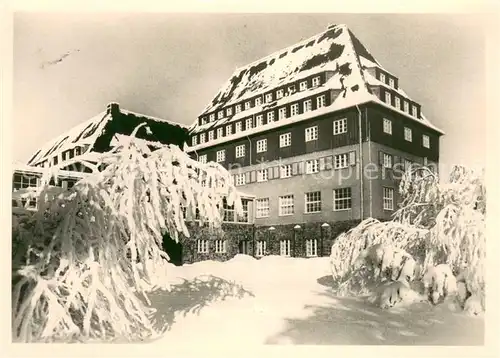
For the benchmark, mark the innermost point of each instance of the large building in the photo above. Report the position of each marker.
(319, 133)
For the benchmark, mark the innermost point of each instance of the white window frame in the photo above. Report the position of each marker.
(229, 129)
(268, 97)
(285, 248)
(387, 160)
(311, 133)
(202, 159)
(285, 140)
(194, 141)
(282, 113)
(258, 101)
(312, 203)
(286, 171)
(220, 132)
(229, 111)
(261, 248)
(286, 205)
(392, 83)
(382, 77)
(426, 141)
(388, 198)
(240, 151)
(202, 138)
(408, 134)
(237, 127)
(342, 199)
(316, 81)
(220, 246)
(248, 123)
(307, 105)
(211, 135)
(291, 89)
(221, 155)
(312, 247)
(220, 114)
(341, 161)
(262, 208)
(270, 117)
(406, 106)
(414, 111)
(247, 105)
(312, 166)
(397, 103)
(294, 109)
(279, 93)
(320, 101)
(262, 175)
(239, 179)
(387, 126)
(303, 86)
(202, 246)
(212, 117)
(261, 145)
(237, 108)
(259, 120)
(388, 97)
(340, 126)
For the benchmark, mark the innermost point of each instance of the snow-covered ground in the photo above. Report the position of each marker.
(278, 300)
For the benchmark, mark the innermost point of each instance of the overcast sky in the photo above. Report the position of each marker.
(171, 65)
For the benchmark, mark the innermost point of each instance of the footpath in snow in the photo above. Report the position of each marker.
(277, 300)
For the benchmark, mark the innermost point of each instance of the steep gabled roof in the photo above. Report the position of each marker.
(336, 50)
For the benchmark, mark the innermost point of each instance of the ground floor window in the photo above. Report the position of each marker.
(220, 246)
(285, 247)
(261, 248)
(388, 199)
(311, 247)
(202, 246)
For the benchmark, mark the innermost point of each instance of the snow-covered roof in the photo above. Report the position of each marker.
(336, 50)
(27, 169)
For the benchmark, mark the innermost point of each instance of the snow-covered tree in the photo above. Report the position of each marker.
(436, 224)
(75, 272)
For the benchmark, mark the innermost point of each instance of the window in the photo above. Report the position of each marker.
(237, 109)
(243, 218)
(219, 132)
(387, 160)
(259, 120)
(202, 246)
(388, 98)
(425, 141)
(229, 111)
(307, 105)
(303, 85)
(282, 113)
(312, 166)
(285, 248)
(405, 106)
(220, 115)
(212, 117)
(258, 101)
(204, 120)
(340, 126)
(220, 246)
(221, 155)
(342, 199)
(285, 140)
(237, 128)
(261, 145)
(279, 94)
(240, 151)
(261, 248)
(311, 247)
(397, 103)
(247, 105)
(285, 205)
(388, 198)
(320, 101)
(286, 171)
(311, 133)
(414, 111)
(78, 151)
(387, 126)
(408, 134)
(269, 97)
(294, 109)
(194, 141)
(21, 181)
(382, 77)
(341, 161)
(270, 117)
(202, 159)
(248, 123)
(262, 208)
(229, 129)
(291, 89)
(261, 175)
(211, 135)
(228, 212)
(316, 81)
(391, 82)
(202, 138)
(313, 202)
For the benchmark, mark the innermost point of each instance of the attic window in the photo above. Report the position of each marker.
(248, 123)
(405, 106)
(291, 89)
(238, 127)
(414, 111)
(294, 109)
(220, 132)
(307, 105)
(229, 111)
(397, 103)
(194, 140)
(269, 97)
(238, 108)
(78, 151)
(247, 105)
(382, 77)
(220, 115)
(229, 130)
(258, 101)
(391, 83)
(212, 117)
(56, 160)
(259, 120)
(202, 138)
(316, 81)
(211, 135)
(303, 85)
(387, 97)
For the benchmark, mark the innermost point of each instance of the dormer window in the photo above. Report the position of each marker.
(202, 138)
(307, 105)
(269, 97)
(294, 109)
(291, 89)
(397, 103)
(391, 83)
(259, 120)
(247, 105)
(405, 106)
(237, 127)
(282, 113)
(303, 85)
(212, 117)
(248, 123)
(414, 111)
(270, 117)
(238, 108)
(320, 101)
(211, 135)
(220, 115)
(316, 81)
(56, 160)
(279, 93)
(220, 132)
(229, 111)
(203, 120)
(258, 101)
(388, 97)
(229, 130)
(382, 77)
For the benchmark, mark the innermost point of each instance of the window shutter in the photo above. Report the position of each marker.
(328, 163)
(276, 172)
(247, 177)
(301, 168)
(295, 168)
(252, 176)
(321, 163)
(381, 158)
(270, 173)
(352, 158)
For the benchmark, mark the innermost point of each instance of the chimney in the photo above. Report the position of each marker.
(113, 108)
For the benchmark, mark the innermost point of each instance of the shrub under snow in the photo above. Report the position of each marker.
(76, 273)
(435, 242)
